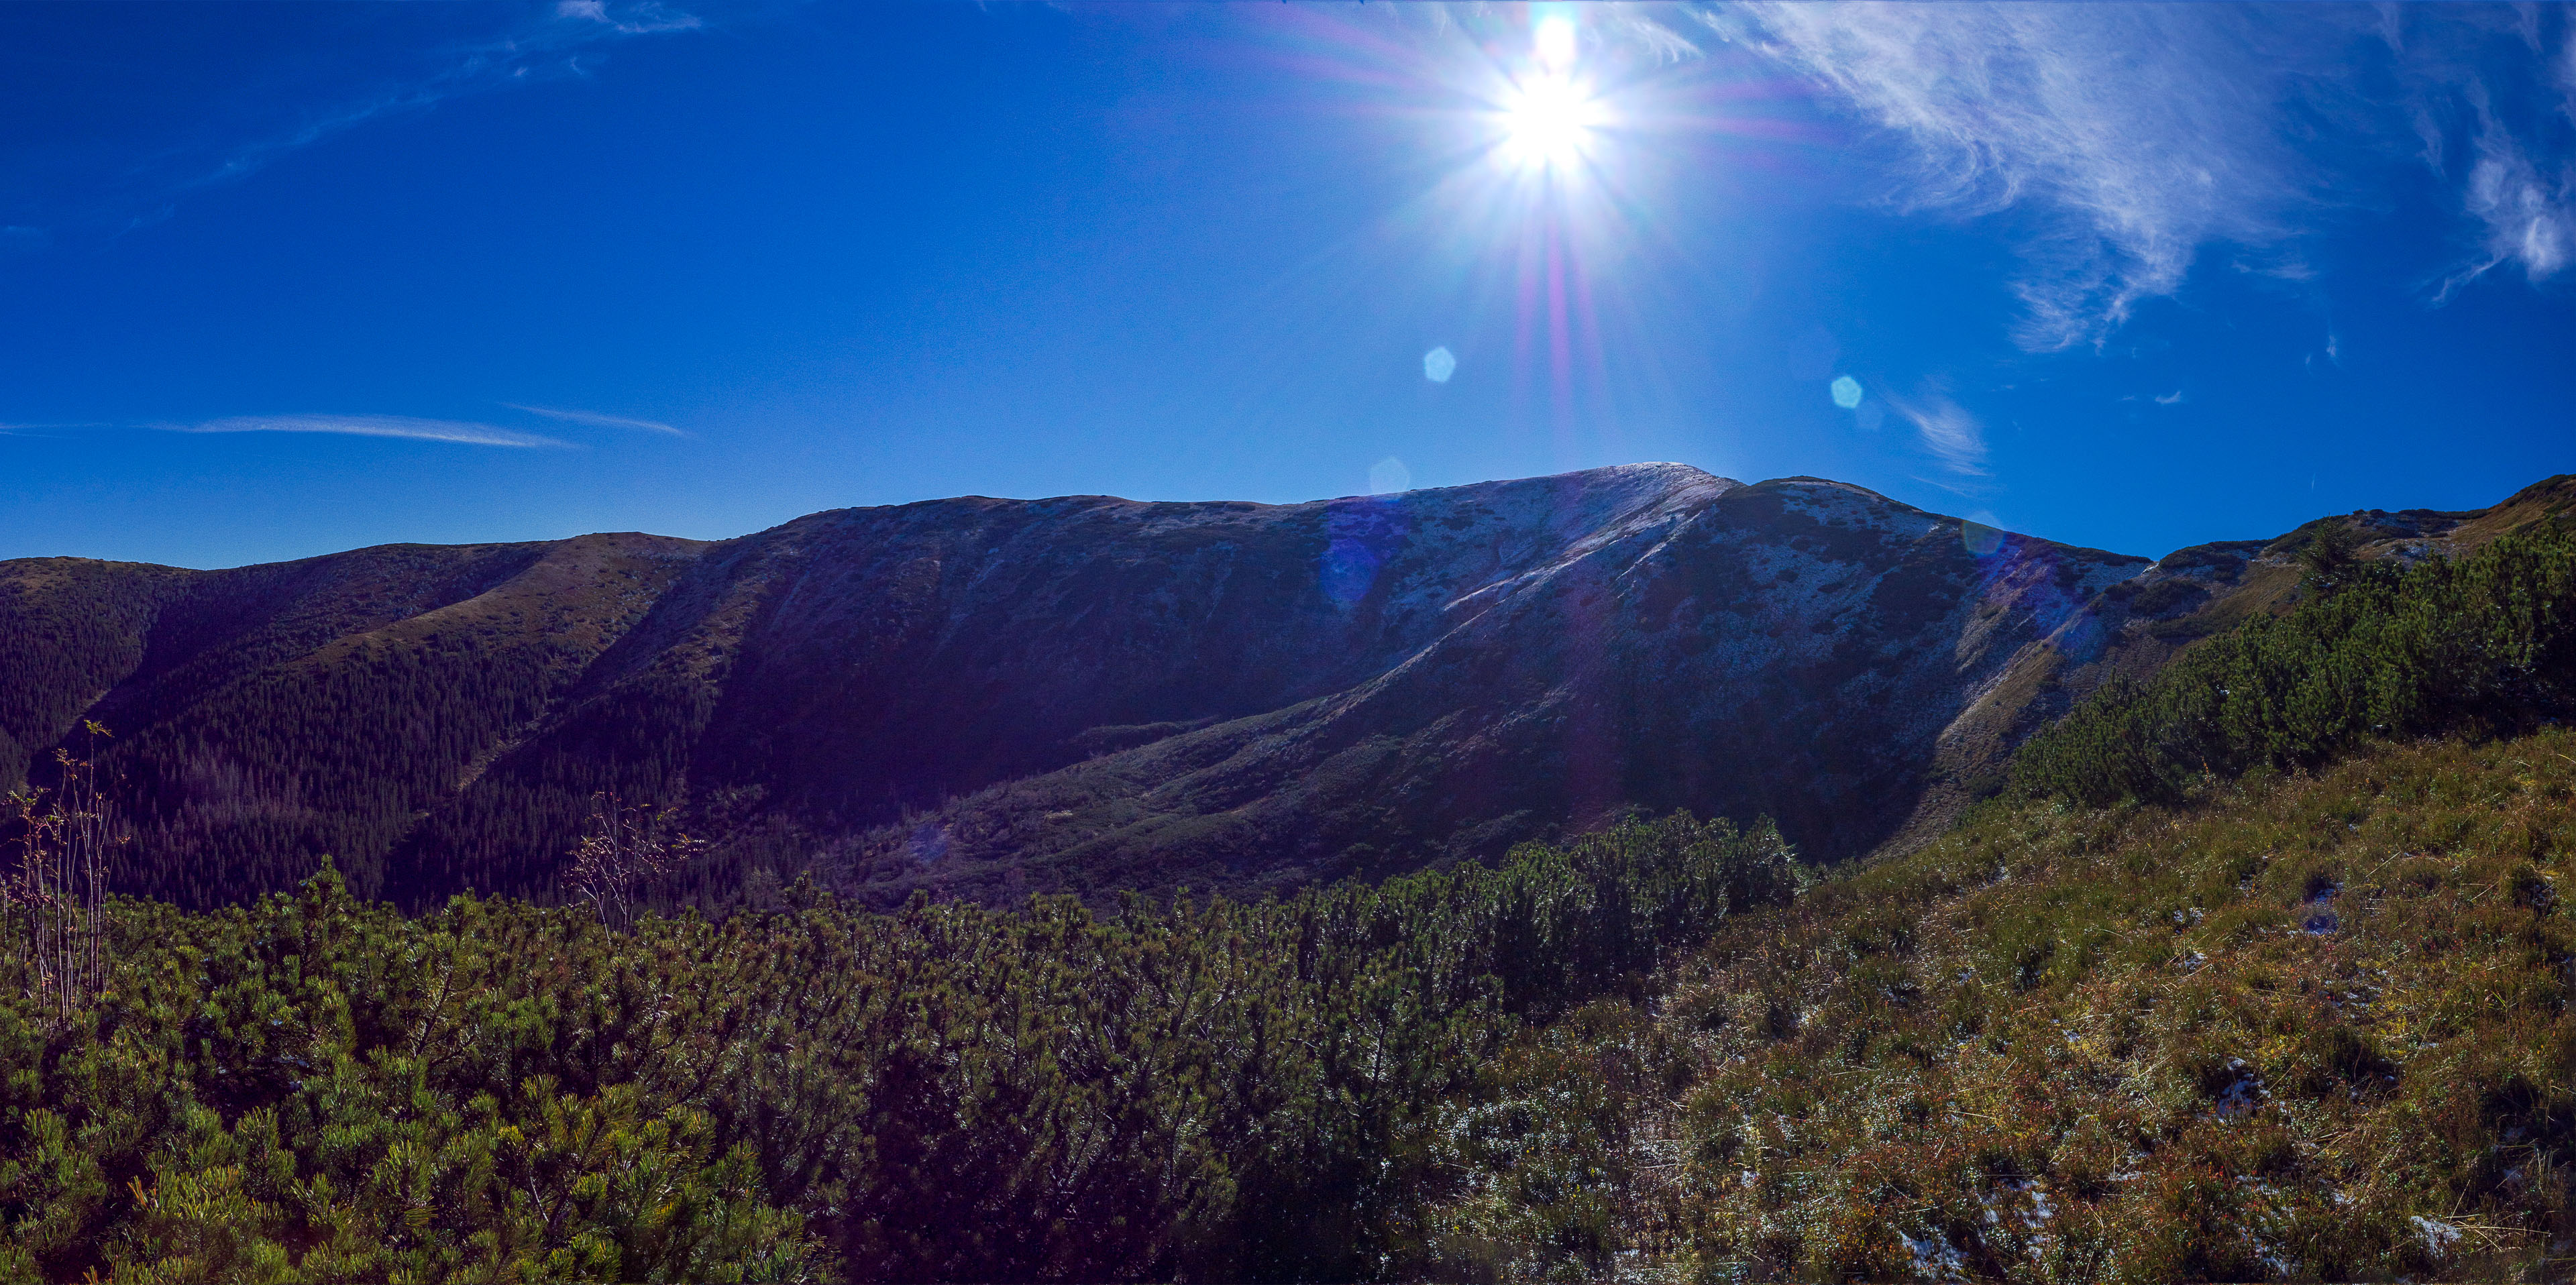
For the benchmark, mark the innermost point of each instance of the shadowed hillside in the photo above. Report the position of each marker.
(992, 697)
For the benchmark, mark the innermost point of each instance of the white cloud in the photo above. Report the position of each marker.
(1952, 434)
(2495, 105)
(2526, 215)
(596, 420)
(2135, 137)
(628, 20)
(427, 430)
(2148, 130)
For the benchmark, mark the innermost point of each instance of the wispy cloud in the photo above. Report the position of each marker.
(596, 420)
(2146, 131)
(546, 49)
(2527, 216)
(142, 183)
(1952, 434)
(2135, 137)
(426, 430)
(2484, 84)
(642, 19)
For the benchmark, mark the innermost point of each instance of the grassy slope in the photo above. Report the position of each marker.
(2131, 630)
(2300, 1027)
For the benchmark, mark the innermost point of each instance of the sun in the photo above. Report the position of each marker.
(1548, 121)
(1548, 116)
(1553, 41)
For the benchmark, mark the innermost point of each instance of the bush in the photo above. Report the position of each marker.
(2489, 641)
(318, 1088)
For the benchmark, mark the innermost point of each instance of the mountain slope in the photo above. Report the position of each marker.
(831, 673)
(991, 697)
(266, 715)
(2303, 1017)
(2135, 627)
(2297, 1028)
(1792, 648)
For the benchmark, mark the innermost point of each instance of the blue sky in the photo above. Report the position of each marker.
(278, 280)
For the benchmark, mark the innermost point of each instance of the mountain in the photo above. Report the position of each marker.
(986, 698)
(2257, 969)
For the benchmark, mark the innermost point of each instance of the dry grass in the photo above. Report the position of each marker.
(2302, 1028)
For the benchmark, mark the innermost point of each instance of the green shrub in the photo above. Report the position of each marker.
(2489, 641)
(318, 1088)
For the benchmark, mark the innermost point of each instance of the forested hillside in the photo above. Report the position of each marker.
(2483, 643)
(988, 698)
(264, 716)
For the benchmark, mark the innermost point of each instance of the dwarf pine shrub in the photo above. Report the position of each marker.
(2488, 641)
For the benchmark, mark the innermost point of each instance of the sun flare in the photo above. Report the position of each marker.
(1548, 121)
(1554, 42)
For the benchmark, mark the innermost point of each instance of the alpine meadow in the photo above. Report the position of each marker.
(530, 754)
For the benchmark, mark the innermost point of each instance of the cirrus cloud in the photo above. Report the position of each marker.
(2137, 137)
(594, 419)
(311, 87)
(1950, 433)
(2145, 131)
(464, 432)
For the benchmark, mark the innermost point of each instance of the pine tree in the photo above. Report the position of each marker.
(2330, 558)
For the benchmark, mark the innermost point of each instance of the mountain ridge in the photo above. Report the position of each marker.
(985, 697)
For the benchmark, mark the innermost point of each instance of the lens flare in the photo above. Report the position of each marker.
(1548, 120)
